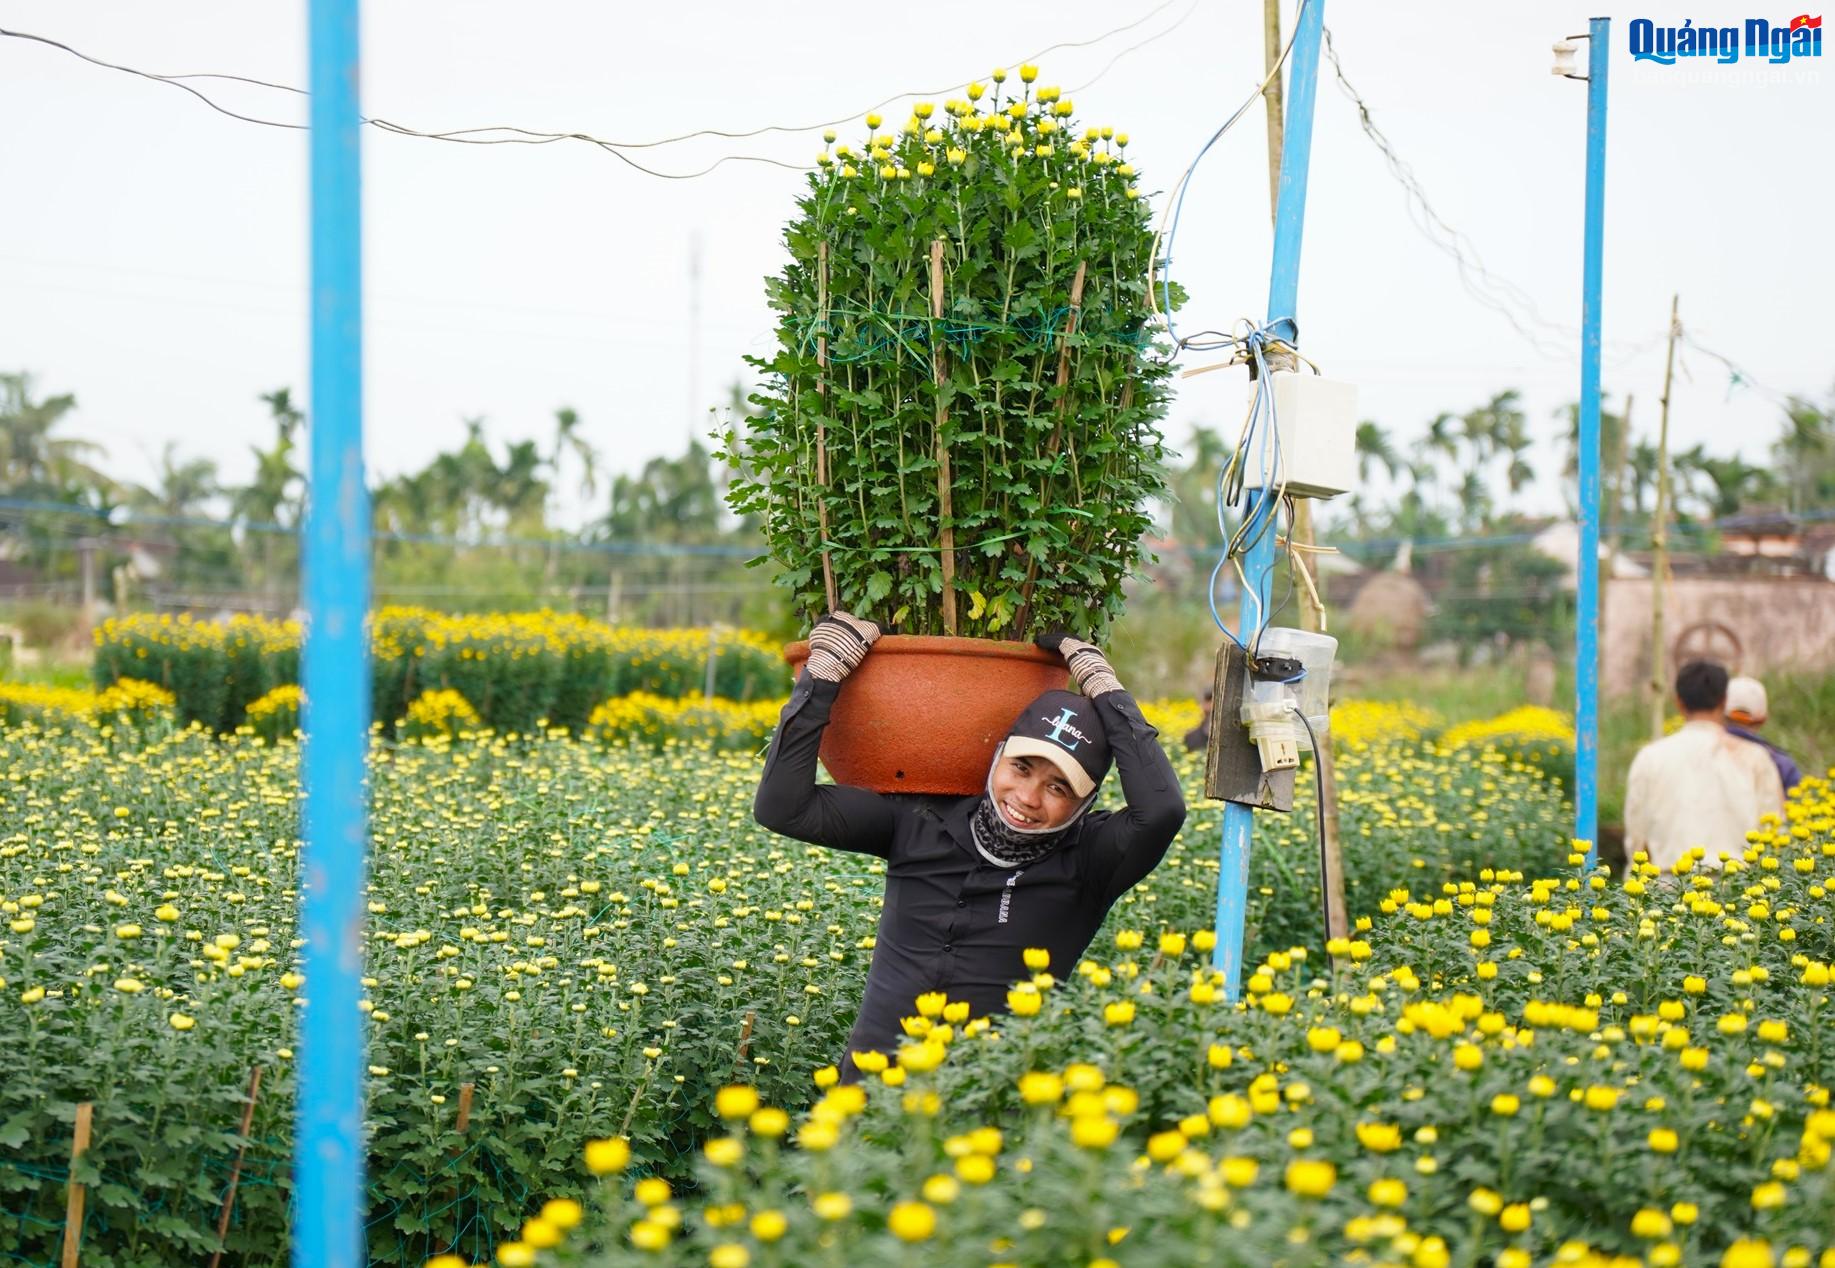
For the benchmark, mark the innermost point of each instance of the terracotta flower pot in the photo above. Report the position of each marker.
(923, 714)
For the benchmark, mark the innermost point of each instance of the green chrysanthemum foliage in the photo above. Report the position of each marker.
(965, 332)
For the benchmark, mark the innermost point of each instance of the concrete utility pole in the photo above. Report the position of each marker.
(1586, 605)
(328, 1152)
(1312, 610)
(1659, 539)
(1258, 561)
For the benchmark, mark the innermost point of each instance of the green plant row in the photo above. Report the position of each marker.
(517, 670)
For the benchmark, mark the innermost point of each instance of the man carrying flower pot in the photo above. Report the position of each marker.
(971, 882)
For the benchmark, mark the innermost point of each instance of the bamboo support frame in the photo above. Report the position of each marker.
(1057, 430)
(73, 1207)
(945, 512)
(235, 1170)
(828, 567)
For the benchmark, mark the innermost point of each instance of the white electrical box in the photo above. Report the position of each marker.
(1317, 421)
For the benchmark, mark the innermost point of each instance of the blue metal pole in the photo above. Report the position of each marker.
(328, 1137)
(1586, 634)
(1258, 564)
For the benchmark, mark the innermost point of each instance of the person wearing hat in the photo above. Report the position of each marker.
(1747, 710)
(973, 882)
(1700, 786)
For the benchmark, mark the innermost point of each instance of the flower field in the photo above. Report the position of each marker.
(577, 940)
(569, 939)
(517, 671)
(1510, 1071)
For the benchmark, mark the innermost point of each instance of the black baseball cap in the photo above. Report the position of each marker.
(1062, 727)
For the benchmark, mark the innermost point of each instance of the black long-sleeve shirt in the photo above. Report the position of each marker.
(952, 921)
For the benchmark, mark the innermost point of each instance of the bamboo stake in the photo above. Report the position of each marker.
(1057, 430)
(1613, 509)
(73, 1210)
(1659, 558)
(828, 567)
(235, 1170)
(945, 512)
(745, 1039)
(1272, 95)
(459, 1127)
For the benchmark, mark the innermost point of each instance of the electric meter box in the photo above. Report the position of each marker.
(1312, 694)
(1317, 422)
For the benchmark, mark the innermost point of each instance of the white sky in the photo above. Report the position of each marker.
(153, 254)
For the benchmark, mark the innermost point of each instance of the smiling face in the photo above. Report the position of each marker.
(1031, 793)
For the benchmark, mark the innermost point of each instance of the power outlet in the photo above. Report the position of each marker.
(1232, 762)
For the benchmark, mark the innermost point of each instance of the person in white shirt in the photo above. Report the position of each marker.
(1701, 786)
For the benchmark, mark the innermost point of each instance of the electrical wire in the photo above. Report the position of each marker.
(1487, 288)
(528, 136)
(1135, 48)
(1741, 377)
(1325, 894)
(1502, 297)
(1174, 204)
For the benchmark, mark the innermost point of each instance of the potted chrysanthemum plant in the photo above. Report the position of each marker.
(959, 436)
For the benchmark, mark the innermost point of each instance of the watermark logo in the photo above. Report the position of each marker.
(1756, 40)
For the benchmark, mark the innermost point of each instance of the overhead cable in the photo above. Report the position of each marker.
(508, 134)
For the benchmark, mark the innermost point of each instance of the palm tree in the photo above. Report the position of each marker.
(1193, 490)
(1686, 470)
(518, 489)
(1611, 430)
(567, 439)
(274, 499)
(1474, 501)
(1732, 481)
(181, 488)
(34, 463)
(1375, 449)
(1806, 454)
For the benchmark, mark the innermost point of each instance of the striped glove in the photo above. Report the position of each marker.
(1089, 668)
(837, 645)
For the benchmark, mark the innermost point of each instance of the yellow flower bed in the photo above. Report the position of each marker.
(21, 701)
(1354, 722)
(1366, 722)
(1172, 718)
(656, 720)
(128, 700)
(276, 715)
(520, 671)
(1528, 725)
(440, 713)
(284, 699)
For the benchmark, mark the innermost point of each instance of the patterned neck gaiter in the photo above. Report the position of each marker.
(1004, 845)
